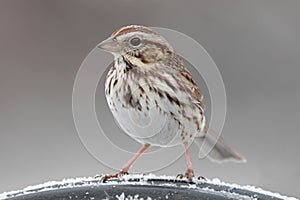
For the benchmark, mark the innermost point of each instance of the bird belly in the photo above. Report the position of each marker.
(151, 122)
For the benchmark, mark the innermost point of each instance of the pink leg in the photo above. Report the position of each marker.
(189, 172)
(128, 164)
(135, 157)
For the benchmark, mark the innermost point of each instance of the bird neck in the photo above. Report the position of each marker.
(128, 62)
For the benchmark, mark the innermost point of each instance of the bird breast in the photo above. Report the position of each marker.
(150, 109)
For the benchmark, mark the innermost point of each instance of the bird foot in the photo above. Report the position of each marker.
(189, 174)
(110, 176)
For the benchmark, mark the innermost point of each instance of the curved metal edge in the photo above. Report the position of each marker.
(143, 186)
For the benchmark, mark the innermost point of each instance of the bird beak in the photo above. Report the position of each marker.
(110, 45)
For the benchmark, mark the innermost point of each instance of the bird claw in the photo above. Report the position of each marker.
(106, 177)
(201, 178)
(189, 174)
(181, 176)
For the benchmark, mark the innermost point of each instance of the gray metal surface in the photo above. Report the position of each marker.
(138, 188)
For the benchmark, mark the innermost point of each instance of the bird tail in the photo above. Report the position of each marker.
(213, 146)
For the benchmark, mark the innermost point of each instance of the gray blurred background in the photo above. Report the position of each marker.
(255, 44)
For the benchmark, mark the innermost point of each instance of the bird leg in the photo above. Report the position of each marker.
(189, 174)
(126, 167)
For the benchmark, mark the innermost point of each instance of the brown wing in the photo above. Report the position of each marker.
(187, 80)
(194, 89)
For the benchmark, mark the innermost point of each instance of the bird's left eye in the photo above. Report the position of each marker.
(135, 41)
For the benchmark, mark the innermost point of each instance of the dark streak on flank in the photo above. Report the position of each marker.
(197, 122)
(160, 94)
(138, 105)
(115, 82)
(172, 99)
(179, 123)
(134, 103)
(185, 115)
(128, 95)
(202, 119)
(109, 86)
(141, 89)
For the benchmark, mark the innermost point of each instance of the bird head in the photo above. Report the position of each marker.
(137, 42)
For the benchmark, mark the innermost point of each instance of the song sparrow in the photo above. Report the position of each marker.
(154, 98)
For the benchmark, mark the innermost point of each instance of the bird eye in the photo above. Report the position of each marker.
(135, 41)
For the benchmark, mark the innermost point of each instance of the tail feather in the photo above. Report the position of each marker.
(213, 146)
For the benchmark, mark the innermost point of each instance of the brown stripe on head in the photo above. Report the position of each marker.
(132, 28)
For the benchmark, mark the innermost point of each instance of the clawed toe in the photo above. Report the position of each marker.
(201, 178)
(189, 174)
(180, 176)
(110, 176)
